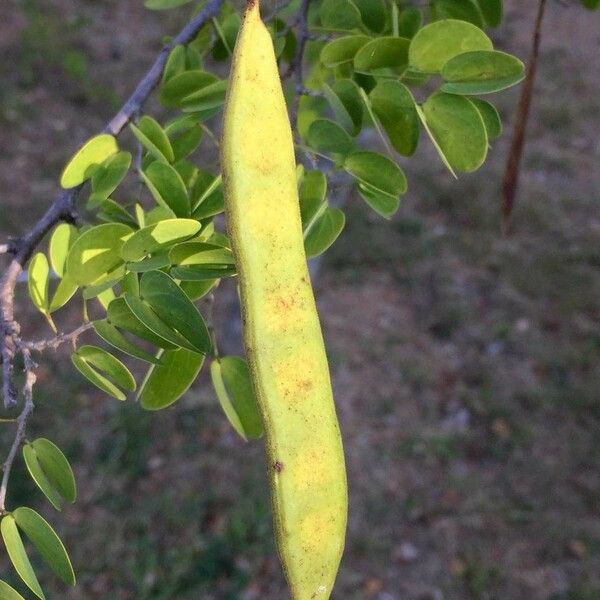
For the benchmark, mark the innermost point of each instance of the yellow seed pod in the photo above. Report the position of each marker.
(282, 334)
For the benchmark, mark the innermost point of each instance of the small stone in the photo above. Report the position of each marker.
(457, 567)
(373, 586)
(407, 552)
(501, 428)
(578, 549)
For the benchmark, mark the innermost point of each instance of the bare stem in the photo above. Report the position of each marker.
(55, 342)
(511, 174)
(296, 64)
(30, 379)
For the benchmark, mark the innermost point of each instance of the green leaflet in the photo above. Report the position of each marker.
(39, 477)
(349, 94)
(18, 556)
(62, 294)
(37, 281)
(209, 98)
(46, 542)
(165, 383)
(312, 193)
(83, 163)
(372, 13)
(9, 593)
(435, 44)
(342, 116)
(490, 116)
(185, 143)
(342, 50)
(120, 315)
(153, 138)
(463, 10)
(323, 233)
(195, 290)
(481, 72)
(207, 196)
(108, 176)
(175, 92)
(96, 254)
(325, 135)
(234, 390)
(492, 11)
(200, 261)
(61, 241)
(174, 308)
(201, 253)
(383, 56)
(339, 15)
(380, 180)
(110, 334)
(55, 467)
(167, 188)
(395, 108)
(458, 130)
(227, 30)
(157, 237)
(104, 370)
(409, 22)
(320, 223)
(112, 212)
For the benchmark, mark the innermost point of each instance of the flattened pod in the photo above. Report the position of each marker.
(282, 334)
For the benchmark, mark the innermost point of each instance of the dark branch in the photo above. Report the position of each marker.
(511, 175)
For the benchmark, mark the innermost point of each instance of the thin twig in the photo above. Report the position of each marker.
(511, 175)
(296, 64)
(210, 323)
(55, 342)
(308, 92)
(28, 406)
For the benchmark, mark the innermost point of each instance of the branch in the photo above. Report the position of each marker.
(55, 342)
(63, 207)
(30, 378)
(511, 175)
(137, 100)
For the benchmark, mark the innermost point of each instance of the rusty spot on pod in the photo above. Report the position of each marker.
(278, 466)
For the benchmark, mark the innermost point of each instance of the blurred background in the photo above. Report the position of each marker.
(465, 365)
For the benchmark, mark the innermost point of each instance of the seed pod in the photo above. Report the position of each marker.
(282, 334)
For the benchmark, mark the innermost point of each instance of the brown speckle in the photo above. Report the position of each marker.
(278, 466)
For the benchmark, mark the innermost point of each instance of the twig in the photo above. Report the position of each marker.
(308, 92)
(210, 323)
(213, 138)
(55, 342)
(511, 175)
(137, 100)
(296, 64)
(63, 207)
(28, 406)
